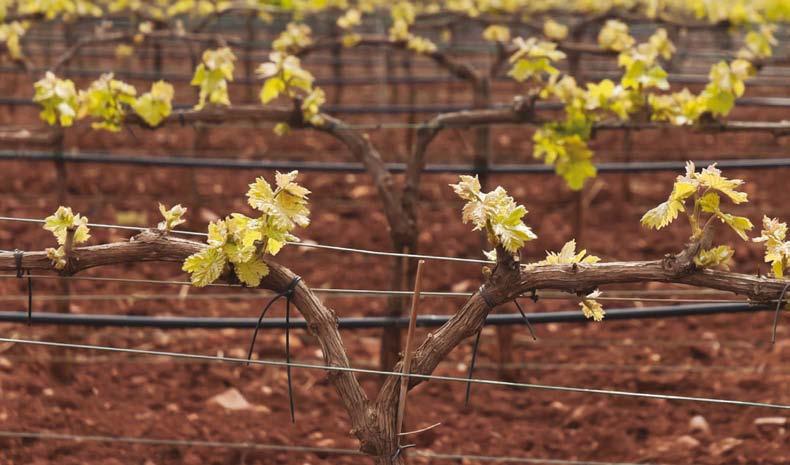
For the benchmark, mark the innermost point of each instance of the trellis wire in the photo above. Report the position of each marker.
(285, 448)
(488, 366)
(297, 244)
(257, 295)
(755, 162)
(489, 382)
(177, 442)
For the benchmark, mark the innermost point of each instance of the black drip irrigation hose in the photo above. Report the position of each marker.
(424, 321)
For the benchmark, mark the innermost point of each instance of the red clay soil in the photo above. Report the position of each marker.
(106, 394)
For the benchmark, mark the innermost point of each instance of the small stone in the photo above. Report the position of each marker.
(231, 399)
(771, 421)
(688, 442)
(698, 423)
(328, 442)
(5, 363)
(556, 405)
(463, 286)
(48, 392)
(361, 191)
(724, 446)
(579, 412)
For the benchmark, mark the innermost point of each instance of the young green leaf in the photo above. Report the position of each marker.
(293, 39)
(107, 100)
(156, 105)
(496, 33)
(58, 99)
(60, 222)
(711, 177)
(251, 272)
(568, 255)
(591, 308)
(716, 256)
(777, 249)
(554, 30)
(205, 266)
(57, 257)
(10, 35)
(494, 212)
(533, 59)
(615, 36)
(242, 241)
(705, 186)
(212, 76)
(173, 217)
(352, 17)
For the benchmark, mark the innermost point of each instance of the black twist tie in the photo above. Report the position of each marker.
(485, 297)
(476, 346)
(534, 296)
(288, 294)
(526, 320)
(29, 299)
(778, 311)
(181, 118)
(18, 256)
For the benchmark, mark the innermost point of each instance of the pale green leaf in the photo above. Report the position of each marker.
(205, 266)
(251, 272)
(716, 256)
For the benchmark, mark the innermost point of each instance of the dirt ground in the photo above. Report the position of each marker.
(107, 394)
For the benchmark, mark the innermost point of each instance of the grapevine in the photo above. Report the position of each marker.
(242, 247)
(248, 244)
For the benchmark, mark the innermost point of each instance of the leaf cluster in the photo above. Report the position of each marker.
(699, 194)
(212, 76)
(106, 100)
(240, 242)
(494, 212)
(61, 224)
(777, 249)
